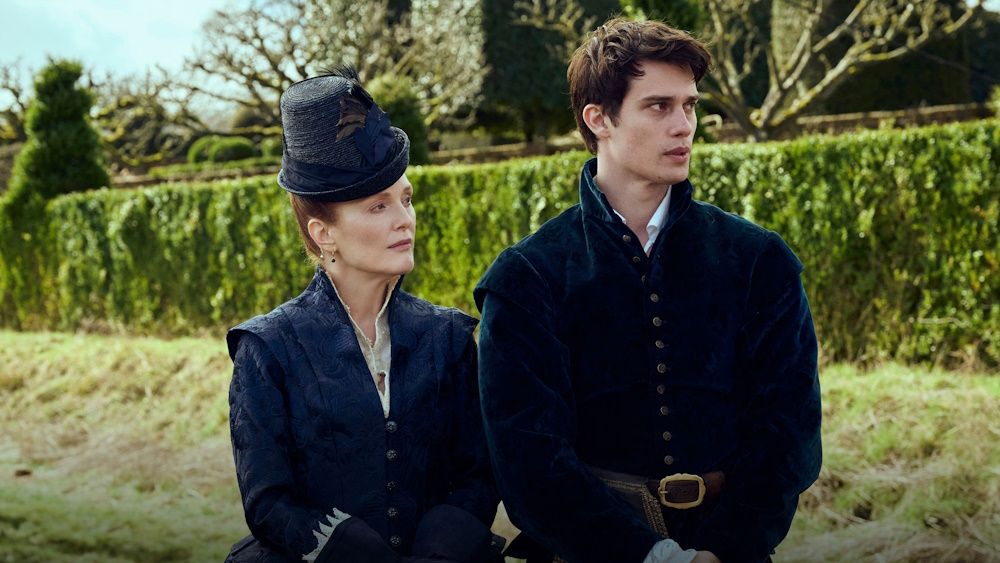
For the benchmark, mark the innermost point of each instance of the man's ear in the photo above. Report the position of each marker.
(597, 121)
(319, 231)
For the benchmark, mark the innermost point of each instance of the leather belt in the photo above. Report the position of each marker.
(683, 490)
(680, 490)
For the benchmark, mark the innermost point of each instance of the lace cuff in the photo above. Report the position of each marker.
(324, 532)
(669, 551)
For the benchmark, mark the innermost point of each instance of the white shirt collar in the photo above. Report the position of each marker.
(656, 222)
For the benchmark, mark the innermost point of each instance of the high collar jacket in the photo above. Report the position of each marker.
(309, 433)
(699, 357)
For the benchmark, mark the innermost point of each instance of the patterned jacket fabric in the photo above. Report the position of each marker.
(309, 433)
(698, 357)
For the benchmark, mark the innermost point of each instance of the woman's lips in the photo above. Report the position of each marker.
(403, 244)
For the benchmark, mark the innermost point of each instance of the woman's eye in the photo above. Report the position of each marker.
(378, 207)
(408, 201)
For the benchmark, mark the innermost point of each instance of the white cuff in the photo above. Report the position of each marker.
(323, 535)
(669, 551)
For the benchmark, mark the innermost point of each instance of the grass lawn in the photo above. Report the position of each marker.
(116, 449)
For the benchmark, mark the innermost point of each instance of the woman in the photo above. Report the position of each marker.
(354, 409)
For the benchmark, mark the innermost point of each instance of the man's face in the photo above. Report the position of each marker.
(651, 139)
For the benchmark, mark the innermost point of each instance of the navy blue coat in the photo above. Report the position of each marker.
(309, 433)
(697, 358)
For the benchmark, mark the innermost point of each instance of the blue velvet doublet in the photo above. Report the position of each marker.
(309, 433)
(699, 357)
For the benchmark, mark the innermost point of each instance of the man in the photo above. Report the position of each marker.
(647, 361)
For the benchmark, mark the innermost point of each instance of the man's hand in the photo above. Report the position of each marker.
(705, 557)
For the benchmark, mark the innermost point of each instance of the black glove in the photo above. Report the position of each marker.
(355, 541)
(448, 533)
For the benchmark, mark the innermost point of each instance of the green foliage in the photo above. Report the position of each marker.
(198, 152)
(271, 146)
(898, 231)
(398, 98)
(527, 78)
(193, 171)
(682, 14)
(63, 152)
(231, 148)
(994, 101)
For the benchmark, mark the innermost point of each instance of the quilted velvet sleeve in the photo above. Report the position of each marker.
(529, 414)
(780, 453)
(259, 428)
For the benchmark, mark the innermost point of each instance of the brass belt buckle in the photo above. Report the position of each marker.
(695, 480)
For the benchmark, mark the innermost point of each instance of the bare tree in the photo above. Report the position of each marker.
(438, 44)
(12, 114)
(818, 62)
(803, 67)
(250, 55)
(146, 118)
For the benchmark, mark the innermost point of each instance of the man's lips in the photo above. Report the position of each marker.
(403, 242)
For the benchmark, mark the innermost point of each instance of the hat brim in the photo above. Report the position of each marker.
(386, 176)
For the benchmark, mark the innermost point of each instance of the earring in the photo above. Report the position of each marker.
(332, 253)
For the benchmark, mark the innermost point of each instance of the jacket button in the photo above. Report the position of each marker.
(390, 486)
(657, 321)
(636, 260)
(391, 455)
(395, 541)
(664, 411)
(667, 436)
(660, 344)
(669, 460)
(661, 389)
(626, 238)
(654, 298)
(392, 512)
(391, 426)
(662, 368)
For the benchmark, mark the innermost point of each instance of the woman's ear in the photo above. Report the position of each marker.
(320, 232)
(596, 120)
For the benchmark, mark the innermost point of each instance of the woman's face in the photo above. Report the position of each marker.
(375, 235)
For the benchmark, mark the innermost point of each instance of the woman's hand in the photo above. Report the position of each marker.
(705, 557)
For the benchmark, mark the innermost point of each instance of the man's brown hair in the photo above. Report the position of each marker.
(602, 66)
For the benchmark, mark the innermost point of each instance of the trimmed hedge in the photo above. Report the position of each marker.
(898, 230)
(186, 171)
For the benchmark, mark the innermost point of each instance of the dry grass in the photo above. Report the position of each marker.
(126, 442)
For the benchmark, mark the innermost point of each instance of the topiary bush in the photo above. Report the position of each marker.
(198, 152)
(231, 148)
(397, 97)
(62, 154)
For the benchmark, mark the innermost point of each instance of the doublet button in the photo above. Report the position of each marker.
(662, 368)
(654, 298)
(390, 486)
(657, 321)
(661, 389)
(664, 411)
(391, 455)
(391, 426)
(667, 436)
(636, 260)
(660, 344)
(669, 460)
(392, 512)
(395, 541)
(626, 238)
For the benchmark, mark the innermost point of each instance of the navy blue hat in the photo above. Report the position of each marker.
(338, 145)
